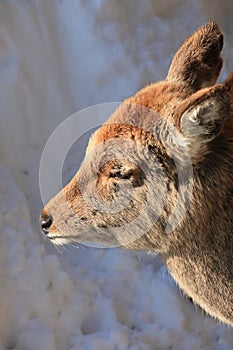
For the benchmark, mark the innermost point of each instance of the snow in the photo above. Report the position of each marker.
(57, 57)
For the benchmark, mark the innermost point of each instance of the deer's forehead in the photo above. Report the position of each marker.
(140, 112)
(110, 132)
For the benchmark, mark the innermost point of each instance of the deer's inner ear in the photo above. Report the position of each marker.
(202, 115)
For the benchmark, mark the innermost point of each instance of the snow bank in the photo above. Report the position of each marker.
(110, 300)
(57, 57)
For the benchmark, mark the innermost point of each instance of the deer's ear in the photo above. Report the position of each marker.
(198, 62)
(201, 116)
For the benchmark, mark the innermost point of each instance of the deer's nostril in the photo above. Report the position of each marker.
(46, 222)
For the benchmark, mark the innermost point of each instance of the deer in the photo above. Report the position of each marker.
(171, 142)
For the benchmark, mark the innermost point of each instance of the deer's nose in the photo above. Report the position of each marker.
(45, 222)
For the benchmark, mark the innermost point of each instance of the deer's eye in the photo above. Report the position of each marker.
(120, 175)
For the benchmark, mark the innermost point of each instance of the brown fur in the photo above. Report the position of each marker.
(137, 149)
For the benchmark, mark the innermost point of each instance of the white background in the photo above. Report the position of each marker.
(57, 57)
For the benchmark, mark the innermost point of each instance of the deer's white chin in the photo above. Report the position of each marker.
(59, 240)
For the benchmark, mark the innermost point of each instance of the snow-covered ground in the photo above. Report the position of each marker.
(57, 57)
